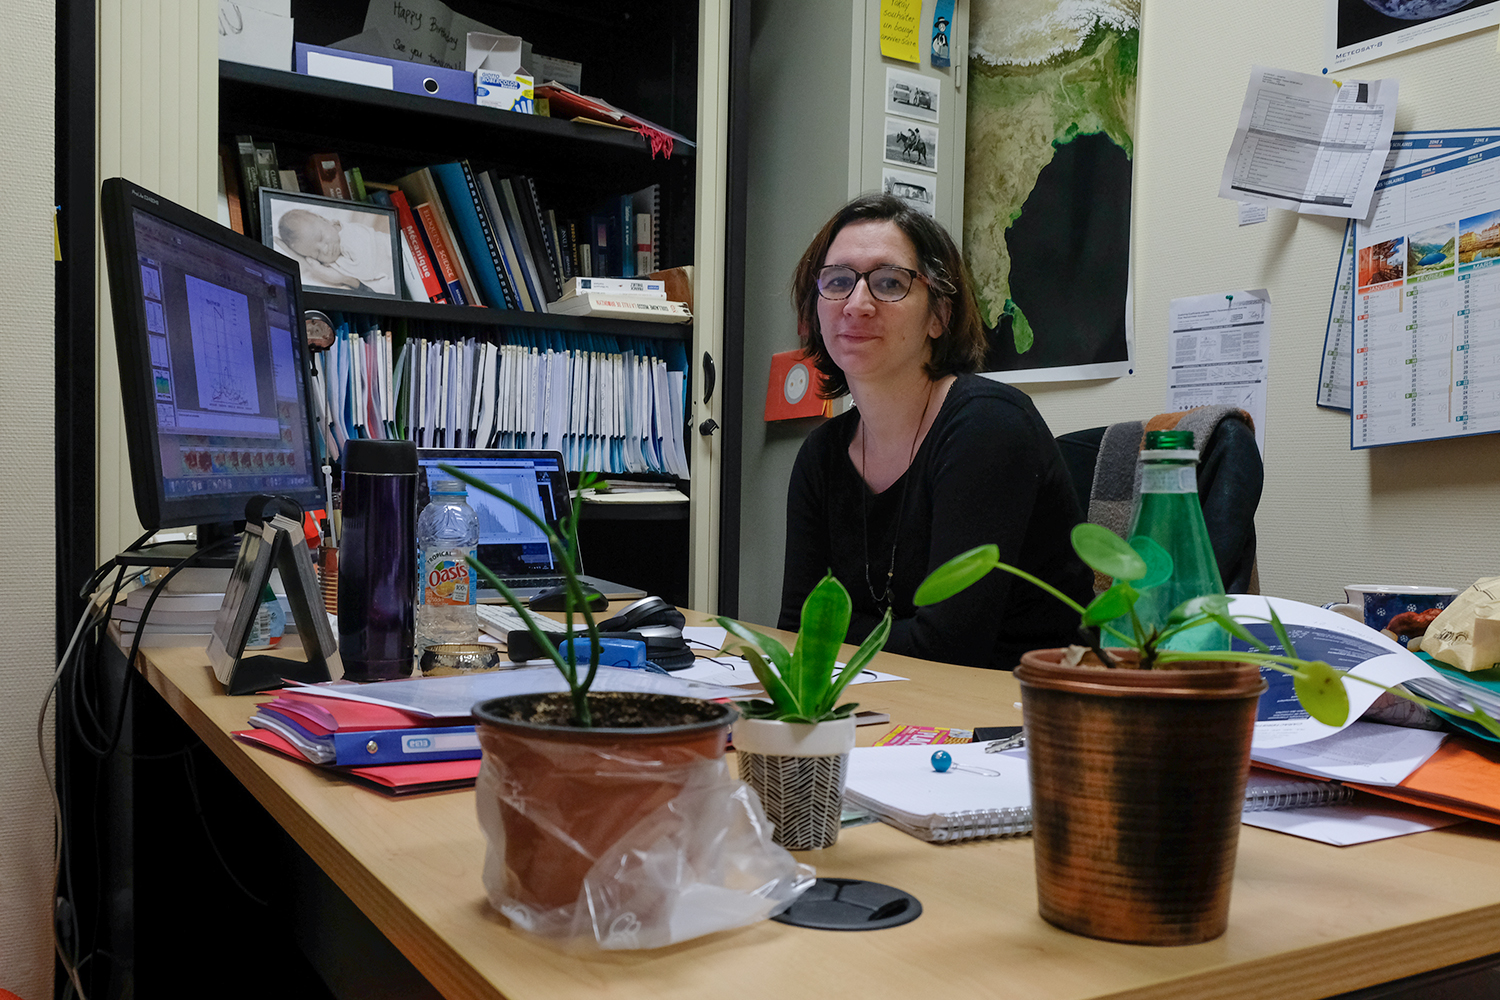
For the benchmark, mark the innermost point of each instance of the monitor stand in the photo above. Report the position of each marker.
(172, 553)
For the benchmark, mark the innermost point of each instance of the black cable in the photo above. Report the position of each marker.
(192, 779)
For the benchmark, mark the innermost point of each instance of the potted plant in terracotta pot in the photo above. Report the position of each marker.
(1139, 755)
(793, 749)
(603, 810)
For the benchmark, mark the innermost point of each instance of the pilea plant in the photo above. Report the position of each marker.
(1141, 563)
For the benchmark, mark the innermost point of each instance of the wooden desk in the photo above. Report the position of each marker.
(1307, 920)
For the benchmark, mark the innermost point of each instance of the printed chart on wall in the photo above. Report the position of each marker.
(1051, 121)
(1217, 354)
(1427, 302)
(1360, 30)
(1407, 148)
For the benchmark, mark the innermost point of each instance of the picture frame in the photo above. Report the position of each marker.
(349, 247)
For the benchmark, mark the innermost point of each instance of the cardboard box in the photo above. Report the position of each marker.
(507, 91)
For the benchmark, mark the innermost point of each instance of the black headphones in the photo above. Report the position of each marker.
(660, 624)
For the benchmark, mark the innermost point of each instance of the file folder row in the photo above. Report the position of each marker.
(609, 404)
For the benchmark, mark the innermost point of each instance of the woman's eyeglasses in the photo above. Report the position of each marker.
(888, 284)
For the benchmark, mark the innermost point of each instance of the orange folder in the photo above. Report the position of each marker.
(793, 389)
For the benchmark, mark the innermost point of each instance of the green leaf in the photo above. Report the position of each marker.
(957, 574)
(776, 688)
(1158, 562)
(757, 709)
(1115, 602)
(1320, 688)
(825, 623)
(1106, 552)
(873, 644)
(1281, 636)
(1485, 719)
(1239, 631)
(768, 646)
(844, 711)
(1207, 604)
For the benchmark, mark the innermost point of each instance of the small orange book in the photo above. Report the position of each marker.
(793, 389)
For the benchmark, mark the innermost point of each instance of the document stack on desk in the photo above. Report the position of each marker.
(376, 745)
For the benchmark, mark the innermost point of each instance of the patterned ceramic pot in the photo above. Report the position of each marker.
(798, 770)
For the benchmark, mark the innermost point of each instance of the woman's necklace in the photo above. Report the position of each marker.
(884, 601)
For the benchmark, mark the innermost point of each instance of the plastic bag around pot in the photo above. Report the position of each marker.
(625, 839)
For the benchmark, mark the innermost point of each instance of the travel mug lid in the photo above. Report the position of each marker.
(390, 458)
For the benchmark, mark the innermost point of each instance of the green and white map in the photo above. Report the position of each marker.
(1051, 119)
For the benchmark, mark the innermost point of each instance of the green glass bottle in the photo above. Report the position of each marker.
(1170, 515)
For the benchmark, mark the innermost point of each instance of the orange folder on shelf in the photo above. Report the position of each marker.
(793, 389)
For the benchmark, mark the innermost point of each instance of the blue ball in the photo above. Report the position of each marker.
(941, 761)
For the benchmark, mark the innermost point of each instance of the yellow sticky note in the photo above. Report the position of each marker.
(898, 29)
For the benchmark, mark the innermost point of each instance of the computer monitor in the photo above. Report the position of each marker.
(214, 364)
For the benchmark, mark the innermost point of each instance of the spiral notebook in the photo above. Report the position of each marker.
(989, 795)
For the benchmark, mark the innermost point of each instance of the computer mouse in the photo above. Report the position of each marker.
(555, 599)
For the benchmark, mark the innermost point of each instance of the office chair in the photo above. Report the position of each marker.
(1230, 478)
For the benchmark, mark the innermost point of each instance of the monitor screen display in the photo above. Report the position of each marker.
(213, 363)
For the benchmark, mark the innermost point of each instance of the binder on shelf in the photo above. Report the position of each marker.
(399, 75)
(511, 209)
(535, 224)
(453, 182)
(510, 257)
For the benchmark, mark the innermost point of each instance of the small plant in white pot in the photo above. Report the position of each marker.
(793, 749)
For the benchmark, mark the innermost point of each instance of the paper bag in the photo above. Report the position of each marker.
(1467, 634)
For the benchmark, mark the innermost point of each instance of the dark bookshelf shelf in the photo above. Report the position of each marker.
(474, 316)
(634, 511)
(246, 92)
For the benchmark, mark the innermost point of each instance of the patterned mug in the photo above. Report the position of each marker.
(1395, 610)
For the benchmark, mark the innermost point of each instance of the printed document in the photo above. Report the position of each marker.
(1307, 144)
(1217, 353)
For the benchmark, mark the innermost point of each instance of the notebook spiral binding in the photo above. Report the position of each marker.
(1324, 794)
(970, 824)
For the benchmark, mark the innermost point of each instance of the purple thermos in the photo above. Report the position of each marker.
(378, 560)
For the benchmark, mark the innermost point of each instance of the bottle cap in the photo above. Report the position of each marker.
(390, 458)
(1169, 439)
(449, 487)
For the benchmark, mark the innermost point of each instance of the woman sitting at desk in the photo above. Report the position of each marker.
(933, 460)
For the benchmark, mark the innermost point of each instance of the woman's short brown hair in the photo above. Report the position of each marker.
(960, 348)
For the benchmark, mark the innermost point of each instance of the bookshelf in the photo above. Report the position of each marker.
(644, 60)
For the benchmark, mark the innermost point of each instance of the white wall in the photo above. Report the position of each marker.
(1419, 513)
(27, 538)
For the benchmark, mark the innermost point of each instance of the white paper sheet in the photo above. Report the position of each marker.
(1352, 823)
(1217, 353)
(1306, 144)
(1366, 752)
(447, 697)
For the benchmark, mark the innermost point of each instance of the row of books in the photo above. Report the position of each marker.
(609, 404)
(468, 236)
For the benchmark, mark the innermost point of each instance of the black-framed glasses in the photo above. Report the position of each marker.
(888, 283)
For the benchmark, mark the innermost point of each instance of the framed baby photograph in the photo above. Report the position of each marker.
(340, 246)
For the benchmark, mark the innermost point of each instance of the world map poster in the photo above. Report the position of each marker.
(1051, 124)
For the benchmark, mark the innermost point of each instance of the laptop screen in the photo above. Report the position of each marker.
(509, 544)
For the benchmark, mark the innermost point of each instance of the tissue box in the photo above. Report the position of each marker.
(508, 91)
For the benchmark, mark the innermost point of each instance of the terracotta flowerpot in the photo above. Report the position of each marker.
(1137, 785)
(565, 795)
(798, 770)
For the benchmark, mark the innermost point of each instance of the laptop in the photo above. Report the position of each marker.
(510, 546)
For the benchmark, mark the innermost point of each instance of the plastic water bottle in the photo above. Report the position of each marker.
(1170, 514)
(447, 591)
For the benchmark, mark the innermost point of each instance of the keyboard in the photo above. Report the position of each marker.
(499, 620)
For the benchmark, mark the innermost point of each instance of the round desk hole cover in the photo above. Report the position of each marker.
(845, 904)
